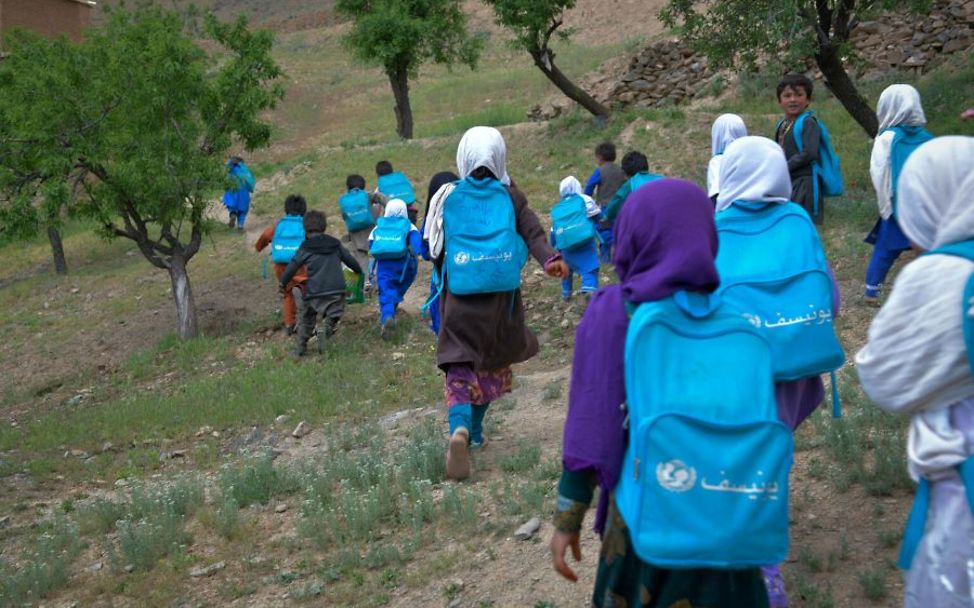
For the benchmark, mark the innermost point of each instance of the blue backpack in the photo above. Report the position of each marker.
(355, 210)
(390, 239)
(704, 483)
(288, 236)
(826, 170)
(483, 251)
(396, 185)
(917, 520)
(772, 268)
(570, 223)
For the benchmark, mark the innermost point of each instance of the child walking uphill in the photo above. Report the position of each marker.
(772, 267)
(284, 237)
(394, 184)
(725, 129)
(394, 243)
(665, 246)
(482, 329)
(360, 210)
(573, 233)
(901, 131)
(636, 166)
(605, 181)
(322, 255)
(917, 362)
(237, 198)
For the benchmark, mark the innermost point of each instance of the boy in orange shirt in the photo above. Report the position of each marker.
(294, 207)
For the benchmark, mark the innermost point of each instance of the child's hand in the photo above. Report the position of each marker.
(967, 114)
(560, 541)
(557, 269)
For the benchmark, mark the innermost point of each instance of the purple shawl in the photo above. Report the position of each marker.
(665, 242)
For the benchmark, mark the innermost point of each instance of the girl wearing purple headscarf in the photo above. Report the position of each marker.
(665, 242)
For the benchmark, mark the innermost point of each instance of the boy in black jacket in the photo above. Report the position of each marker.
(322, 255)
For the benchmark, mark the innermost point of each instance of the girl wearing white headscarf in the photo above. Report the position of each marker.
(901, 131)
(396, 276)
(753, 175)
(584, 259)
(916, 363)
(482, 335)
(726, 129)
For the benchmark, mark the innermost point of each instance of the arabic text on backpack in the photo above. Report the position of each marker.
(698, 374)
(355, 209)
(773, 269)
(288, 236)
(570, 224)
(390, 238)
(483, 251)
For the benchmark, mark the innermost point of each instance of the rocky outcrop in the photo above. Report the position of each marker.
(669, 71)
(899, 41)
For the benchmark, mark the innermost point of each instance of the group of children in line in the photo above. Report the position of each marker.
(691, 339)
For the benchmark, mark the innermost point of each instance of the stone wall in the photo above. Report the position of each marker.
(668, 71)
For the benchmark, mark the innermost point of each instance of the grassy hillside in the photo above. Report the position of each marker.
(129, 459)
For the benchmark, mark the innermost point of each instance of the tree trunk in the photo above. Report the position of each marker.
(544, 59)
(57, 249)
(838, 81)
(182, 293)
(399, 79)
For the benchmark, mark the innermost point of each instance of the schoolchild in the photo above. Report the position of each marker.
(754, 178)
(917, 362)
(573, 233)
(636, 166)
(725, 129)
(794, 96)
(237, 198)
(360, 209)
(602, 185)
(901, 121)
(665, 243)
(432, 306)
(289, 234)
(322, 256)
(394, 243)
(482, 331)
(394, 184)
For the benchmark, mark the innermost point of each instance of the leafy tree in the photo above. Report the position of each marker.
(28, 208)
(401, 35)
(740, 31)
(534, 23)
(136, 121)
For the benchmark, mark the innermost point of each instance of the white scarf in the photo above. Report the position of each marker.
(754, 169)
(571, 186)
(898, 105)
(915, 361)
(479, 147)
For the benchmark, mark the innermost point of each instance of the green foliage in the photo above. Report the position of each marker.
(131, 126)
(533, 22)
(401, 35)
(740, 31)
(42, 569)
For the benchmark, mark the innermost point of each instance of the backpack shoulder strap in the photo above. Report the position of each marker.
(964, 249)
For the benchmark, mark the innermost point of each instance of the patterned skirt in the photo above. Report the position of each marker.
(624, 581)
(464, 384)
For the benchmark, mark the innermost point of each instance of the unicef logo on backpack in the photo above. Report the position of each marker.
(676, 476)
(461, 258)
